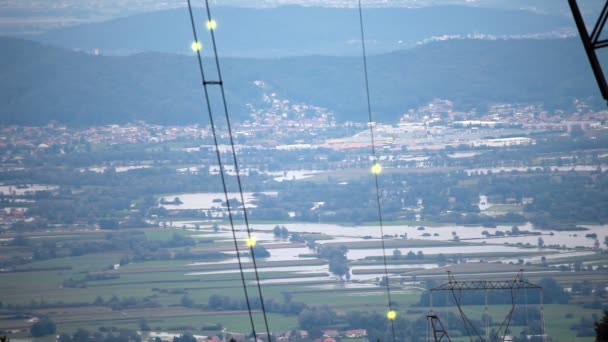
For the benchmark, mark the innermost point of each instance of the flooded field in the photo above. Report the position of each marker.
(208, 200)
(589, 168)
(26, 189)
(101, 169)
(473, 245)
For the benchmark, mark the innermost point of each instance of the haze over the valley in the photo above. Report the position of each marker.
(309, 192)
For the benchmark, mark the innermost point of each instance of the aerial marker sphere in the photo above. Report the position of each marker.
(391, 315)
(196, 46)
(376, 169)
(211, 24)
(251, 242)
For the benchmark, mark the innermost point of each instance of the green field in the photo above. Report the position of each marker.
(156, 289)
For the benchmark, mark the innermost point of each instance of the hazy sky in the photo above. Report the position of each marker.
(31, 16)
(117, 5)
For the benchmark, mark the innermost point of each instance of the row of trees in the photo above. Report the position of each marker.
(410, 255)
(315, 319)
(287, 307)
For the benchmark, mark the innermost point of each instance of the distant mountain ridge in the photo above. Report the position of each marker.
(42, 83)
(298, 31)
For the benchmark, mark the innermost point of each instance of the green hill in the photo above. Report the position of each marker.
(41, 83)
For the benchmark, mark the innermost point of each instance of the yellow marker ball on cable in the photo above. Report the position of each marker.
(196, 46)
(211, 24)
(251, 242)
(376, 169)
(391, 315)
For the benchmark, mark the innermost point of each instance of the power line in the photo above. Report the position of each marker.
(211, 25)
(466, 321)
(376, 169)
(196, 46)
(456, 286)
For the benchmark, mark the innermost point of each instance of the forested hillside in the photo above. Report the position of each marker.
(42, 83)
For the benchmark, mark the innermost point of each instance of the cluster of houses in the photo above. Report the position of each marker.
(11, 215)
(329, 335)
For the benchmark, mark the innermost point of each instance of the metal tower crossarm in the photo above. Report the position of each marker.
(592, 42)
(517, 283)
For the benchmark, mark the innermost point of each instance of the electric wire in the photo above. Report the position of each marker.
(240, 187)
(219, 159)
(220, 83)
(542, 315)
(506, 323)
(375, 168)
(466, 321)
(222, 173)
